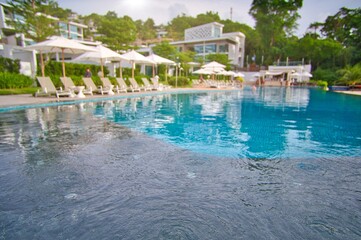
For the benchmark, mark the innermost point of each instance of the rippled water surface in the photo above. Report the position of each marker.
(272, 164)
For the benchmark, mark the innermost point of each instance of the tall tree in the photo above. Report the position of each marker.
(177, 26)
(34, 19)
(207, 17)
(164, 49)
(275, 20)
(146, 30)
(116, 32)
(345, 27)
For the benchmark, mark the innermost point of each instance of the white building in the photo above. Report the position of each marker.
(11, 43)
(210, 39)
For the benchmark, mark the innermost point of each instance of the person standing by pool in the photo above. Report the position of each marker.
(88, 73)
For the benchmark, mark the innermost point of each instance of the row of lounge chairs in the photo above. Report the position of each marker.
(48, 88)
(218, 83)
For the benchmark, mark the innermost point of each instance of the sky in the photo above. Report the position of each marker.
(162, 11)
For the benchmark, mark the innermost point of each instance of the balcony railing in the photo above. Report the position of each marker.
(289, 63)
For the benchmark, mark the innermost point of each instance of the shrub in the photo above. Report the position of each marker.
(14, 80)
(181, 81)
(72, 69)
(329, 75)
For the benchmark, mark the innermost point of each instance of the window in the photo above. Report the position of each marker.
(63, 26)
(73, 29)
(207, 48)
(217, 32)
(198, 49)
(74, 36)
(211, 48)
(223, 48)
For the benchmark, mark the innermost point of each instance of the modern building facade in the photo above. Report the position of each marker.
(12, 43)
(210, 39)
(67, 29)
(72, 30)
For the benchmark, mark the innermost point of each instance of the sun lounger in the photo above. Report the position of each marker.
(158, 85)
(107, 85)
(91, 86)
(122, 86)
(134, 85)
(147, 85)
(48, 88)
(69, 84)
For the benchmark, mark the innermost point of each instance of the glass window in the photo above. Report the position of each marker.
(217, 32)
(64, 34)
(74, 36)
(63, 26)
(223, 48)
(211, 48)
(73, 28)
(198, 49)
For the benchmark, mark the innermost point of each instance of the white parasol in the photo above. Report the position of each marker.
(100, 55)
(61, 45)
(134, 57)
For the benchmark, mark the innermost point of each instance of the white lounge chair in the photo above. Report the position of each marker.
(158, 85)
(134, 85)
(48, 88)
(147, 85)
(122, 86)
(69, 84)
(91, 86)
(107, 85)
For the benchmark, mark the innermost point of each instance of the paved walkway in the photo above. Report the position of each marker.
(28, 99)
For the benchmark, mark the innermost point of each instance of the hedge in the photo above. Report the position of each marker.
(181, 81)
(14, 80)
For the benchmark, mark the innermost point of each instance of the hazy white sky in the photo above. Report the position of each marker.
(162, 11)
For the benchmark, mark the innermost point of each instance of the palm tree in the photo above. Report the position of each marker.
(351, 75)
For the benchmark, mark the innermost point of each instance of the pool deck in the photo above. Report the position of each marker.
(28, 99)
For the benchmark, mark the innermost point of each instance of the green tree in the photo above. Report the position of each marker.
(164, 49)
(177, 26)
(33, 18)
(321, 52)
(184, 58)
(220, 58)
(275, 20)
(146, 30)
(345, 27)
(351, 75)
(205, 18)
(116, 32)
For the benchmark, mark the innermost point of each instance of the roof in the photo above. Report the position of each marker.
(228, 36)
(212, 23)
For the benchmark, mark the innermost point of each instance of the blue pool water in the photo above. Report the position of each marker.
(276, 163)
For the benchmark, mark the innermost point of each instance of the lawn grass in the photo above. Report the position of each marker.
(18, 91)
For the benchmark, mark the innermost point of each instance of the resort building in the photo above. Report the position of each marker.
(210, 39)
(72, 30)
(67, 29)
(12, 42)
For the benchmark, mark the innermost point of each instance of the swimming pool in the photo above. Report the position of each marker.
(276, 163)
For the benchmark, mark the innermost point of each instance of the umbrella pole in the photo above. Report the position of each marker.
(120, 70)
(166, 73)
(133, 66)
(153, 70)
(63, 63)
(101, 66)
(42, 64)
